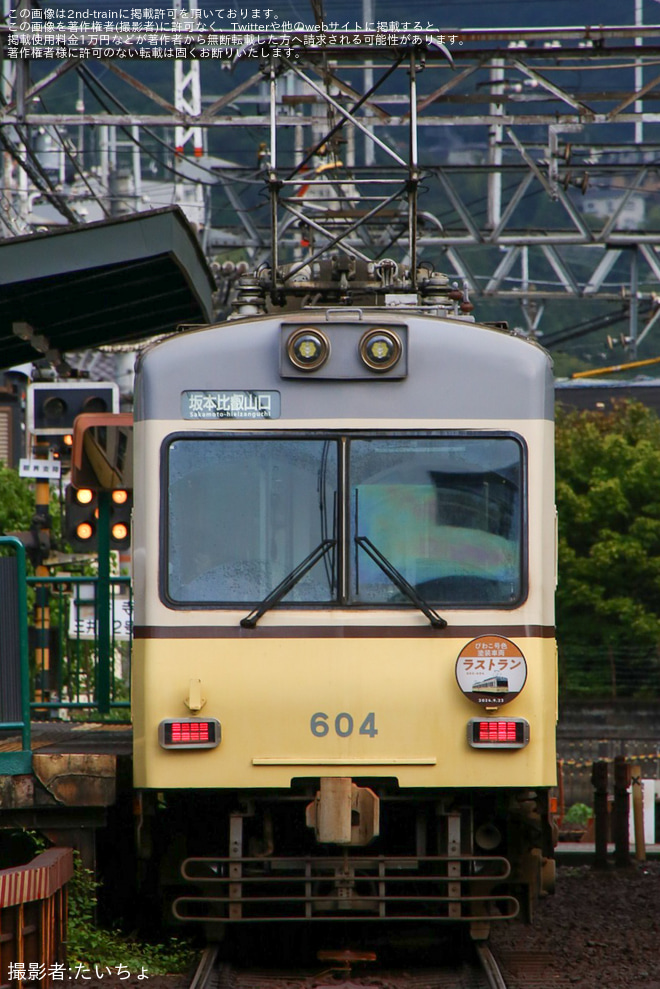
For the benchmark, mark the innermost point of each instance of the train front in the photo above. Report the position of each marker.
(344, 673)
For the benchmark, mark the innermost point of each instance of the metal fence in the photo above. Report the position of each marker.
(608, 674)
(65, 651)
(79, 662)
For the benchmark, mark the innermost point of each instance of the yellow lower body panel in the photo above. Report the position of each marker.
(310, 707)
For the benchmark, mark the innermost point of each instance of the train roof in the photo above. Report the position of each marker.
(454, 369)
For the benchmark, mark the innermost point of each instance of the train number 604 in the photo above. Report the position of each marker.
(344, 724)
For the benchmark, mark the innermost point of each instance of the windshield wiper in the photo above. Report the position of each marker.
(288, 583)
(400, 581)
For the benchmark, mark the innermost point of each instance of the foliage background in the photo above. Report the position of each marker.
(16, 501)
(608, 599)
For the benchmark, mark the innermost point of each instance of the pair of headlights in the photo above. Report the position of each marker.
(308, 349)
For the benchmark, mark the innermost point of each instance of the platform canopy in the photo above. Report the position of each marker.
(119, 280)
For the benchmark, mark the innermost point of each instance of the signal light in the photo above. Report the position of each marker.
(60, 447)
(84, 531)
(120, 519)
(79, 521)
(498, 733)
(53, 406)
(119, 531)
(82, 517)
(189, 733)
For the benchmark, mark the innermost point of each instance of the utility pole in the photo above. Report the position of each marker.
(188, 99)
(41, 547)
(495, 135)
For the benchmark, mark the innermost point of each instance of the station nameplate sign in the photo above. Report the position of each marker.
(83, 619)
(42, 470)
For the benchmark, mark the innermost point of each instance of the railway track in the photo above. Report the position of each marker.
(479, 972)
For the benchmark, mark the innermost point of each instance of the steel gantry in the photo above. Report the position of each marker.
(529, 158)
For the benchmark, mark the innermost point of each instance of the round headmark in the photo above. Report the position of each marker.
(491, 670)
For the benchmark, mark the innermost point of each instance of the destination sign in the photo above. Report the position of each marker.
(230, 404)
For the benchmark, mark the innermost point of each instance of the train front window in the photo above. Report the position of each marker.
(442, 513)
(243, 514)
(445, 512)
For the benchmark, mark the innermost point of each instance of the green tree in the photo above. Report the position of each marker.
(16, 502)
(17, 505)
(608, 600)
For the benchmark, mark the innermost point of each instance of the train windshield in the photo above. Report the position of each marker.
(444, 512)
(243, 514)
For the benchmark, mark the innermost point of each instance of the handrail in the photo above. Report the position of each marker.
(33, 920)
(38, 880)
(20, 762)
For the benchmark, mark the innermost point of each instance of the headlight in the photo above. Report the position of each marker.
(380, 349)
(308, 348)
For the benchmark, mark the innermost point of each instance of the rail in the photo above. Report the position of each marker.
(205, 971)
(490, 967)
(479, 968)
(33, 914)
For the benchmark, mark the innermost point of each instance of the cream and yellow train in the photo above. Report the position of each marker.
(344, 527)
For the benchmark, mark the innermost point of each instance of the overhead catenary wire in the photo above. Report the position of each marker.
(93, 82)
(74, 163)
(32, 167)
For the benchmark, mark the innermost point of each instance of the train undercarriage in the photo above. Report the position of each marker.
(344, 850)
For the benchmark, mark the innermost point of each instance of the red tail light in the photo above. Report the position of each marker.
(498, 733)
(189, 733)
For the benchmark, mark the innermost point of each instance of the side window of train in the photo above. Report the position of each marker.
(446, 512)
(241, 515)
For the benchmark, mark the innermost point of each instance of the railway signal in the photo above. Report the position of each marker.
(54, 405)
(121, 506)
(82, 519)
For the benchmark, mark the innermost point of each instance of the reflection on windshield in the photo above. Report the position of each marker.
(400, 581)
(243, 513)
(447, 515)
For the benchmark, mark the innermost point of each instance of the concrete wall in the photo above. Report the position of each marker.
(588, 731)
